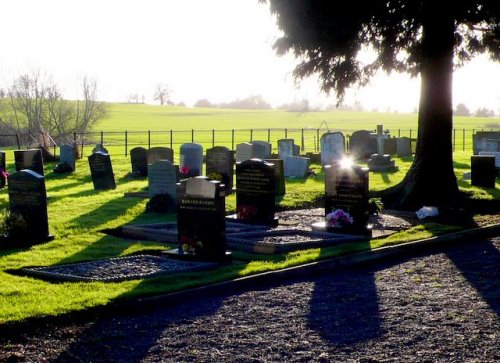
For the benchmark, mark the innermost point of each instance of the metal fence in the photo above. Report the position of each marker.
(307, 139)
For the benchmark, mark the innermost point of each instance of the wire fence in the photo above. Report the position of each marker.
(307, 139)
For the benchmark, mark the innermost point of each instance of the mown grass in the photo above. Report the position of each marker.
(77, 214)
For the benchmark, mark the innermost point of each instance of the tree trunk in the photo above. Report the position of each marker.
(431, 179)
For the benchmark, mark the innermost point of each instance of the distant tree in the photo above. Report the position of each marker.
(461, 110)
(484, 112)
(162, 93)
(133, 98)
(296, 106)
(255, 102)
(204, 103)
(418, 37)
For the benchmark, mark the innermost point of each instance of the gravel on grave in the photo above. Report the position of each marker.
(443, 307)
(116, 269)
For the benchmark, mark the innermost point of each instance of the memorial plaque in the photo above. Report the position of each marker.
(255, 192)
(285, 148)
(201, 220)
(139, 161)
(220, 166)
(346, 192)
(29, 159)
(244, 152)
(28, 198)
(332, 147)
(160, 153)
(279, 176)
(3, 169)
(191, 160)
(162, 179)
(101, 171)
(67, 155)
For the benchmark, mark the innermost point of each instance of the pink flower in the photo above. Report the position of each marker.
(4, 173)
(184, 170)
(339, 217)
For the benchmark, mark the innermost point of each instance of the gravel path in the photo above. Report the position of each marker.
(442, 307)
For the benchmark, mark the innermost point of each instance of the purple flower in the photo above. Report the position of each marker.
(339, 217)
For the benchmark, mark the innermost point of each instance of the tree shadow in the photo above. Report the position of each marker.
(478, 262)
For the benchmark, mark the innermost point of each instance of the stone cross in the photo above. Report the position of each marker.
(380, 136)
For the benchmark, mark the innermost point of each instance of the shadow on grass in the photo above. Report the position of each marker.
(494, 192)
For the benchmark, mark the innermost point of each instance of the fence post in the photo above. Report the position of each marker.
(232, 139)
(102, 138)
(410, 133)
(82, 147)
(302, 143)
(213, 137)
(18, 144)
(192, 135)
(317, 138)
(399, 132)
(149, 139)
(126, 142)
(251, 135)
(269, 136)
(286, 133)
(171, 139)
(74, 137)
(454, 136)
(463, 141)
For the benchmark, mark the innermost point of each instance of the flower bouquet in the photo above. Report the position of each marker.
(339, 218)
(184, 172)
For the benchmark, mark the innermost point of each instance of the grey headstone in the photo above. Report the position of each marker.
(262, 149)
(28, 197)
(361, 145)
(332, 147)
(162, 179)
(285, 148)
(159, 153)
(486, 141)
(390, 146)
(29, 159)
(101, 171)
(67, 155)
(403, 146)
(244, 151)
(296, 166)
(279, 176)
(191, 157)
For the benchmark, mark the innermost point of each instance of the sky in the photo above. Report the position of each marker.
(220, 50)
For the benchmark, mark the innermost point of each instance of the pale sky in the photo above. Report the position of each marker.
(219, 49)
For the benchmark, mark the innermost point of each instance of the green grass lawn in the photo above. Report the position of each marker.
(77, 214)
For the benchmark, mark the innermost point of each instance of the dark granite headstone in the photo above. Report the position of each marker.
(255, 192)
(160, 153)
(361, 145)
(139, 161)
(220, 166)
(346, 191)
(67, 155)
(3, 169)
(191, 160)
(483, 171)
(101, 171)
(486, 141)
(101, 148)
(279, 176)
(28, 198)
(390, 146)
(29, 159)
(201, 220)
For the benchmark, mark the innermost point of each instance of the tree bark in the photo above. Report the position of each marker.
(431, 179)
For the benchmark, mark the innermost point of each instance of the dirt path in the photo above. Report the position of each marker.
(442, 307)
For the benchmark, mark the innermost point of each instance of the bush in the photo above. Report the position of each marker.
(13, 225)
(160, 203)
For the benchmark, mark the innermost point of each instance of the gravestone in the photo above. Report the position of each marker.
(261, 150)
(162, 179)
(486, 141)
(255, 193)
(361, 145)
(29, 159)
(332, 147)
(296, 150)
(244, 151)
(28, 198)
(220, 166)
(346, 191)
(279, 176)
(483, 171)
(191, 160)
(403, 147)
(201, 223)
(101, 148)
(3, 169)
(159, 153)
(67, 155)
(296, 166)
(380, 161)
(496, 155)
(390, 146)
(101, 171)
(139, 161)
(285, 148)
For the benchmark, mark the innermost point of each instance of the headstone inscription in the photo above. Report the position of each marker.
(279, 176)
(332, 147)
(101, 148)
(483, 171)
(361, 145)
(380, 161)
(285, 148)
(3, 169)
(139, 161)
(29, 159)
(296, 166)
(162, 179)
(201, 220)
(403, 147)
(101, 171)
(220, 166)
(191, 160)
(159, 153)
(28, 198)
(67, 156)
(346, 199)
(255, 193)
(244, 151)
(486, 141)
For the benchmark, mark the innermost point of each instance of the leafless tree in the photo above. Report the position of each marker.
(162, 93)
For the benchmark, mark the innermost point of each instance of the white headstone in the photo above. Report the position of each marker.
(296, 166)
(332, 147)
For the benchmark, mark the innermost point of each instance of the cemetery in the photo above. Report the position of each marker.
(260, 207)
